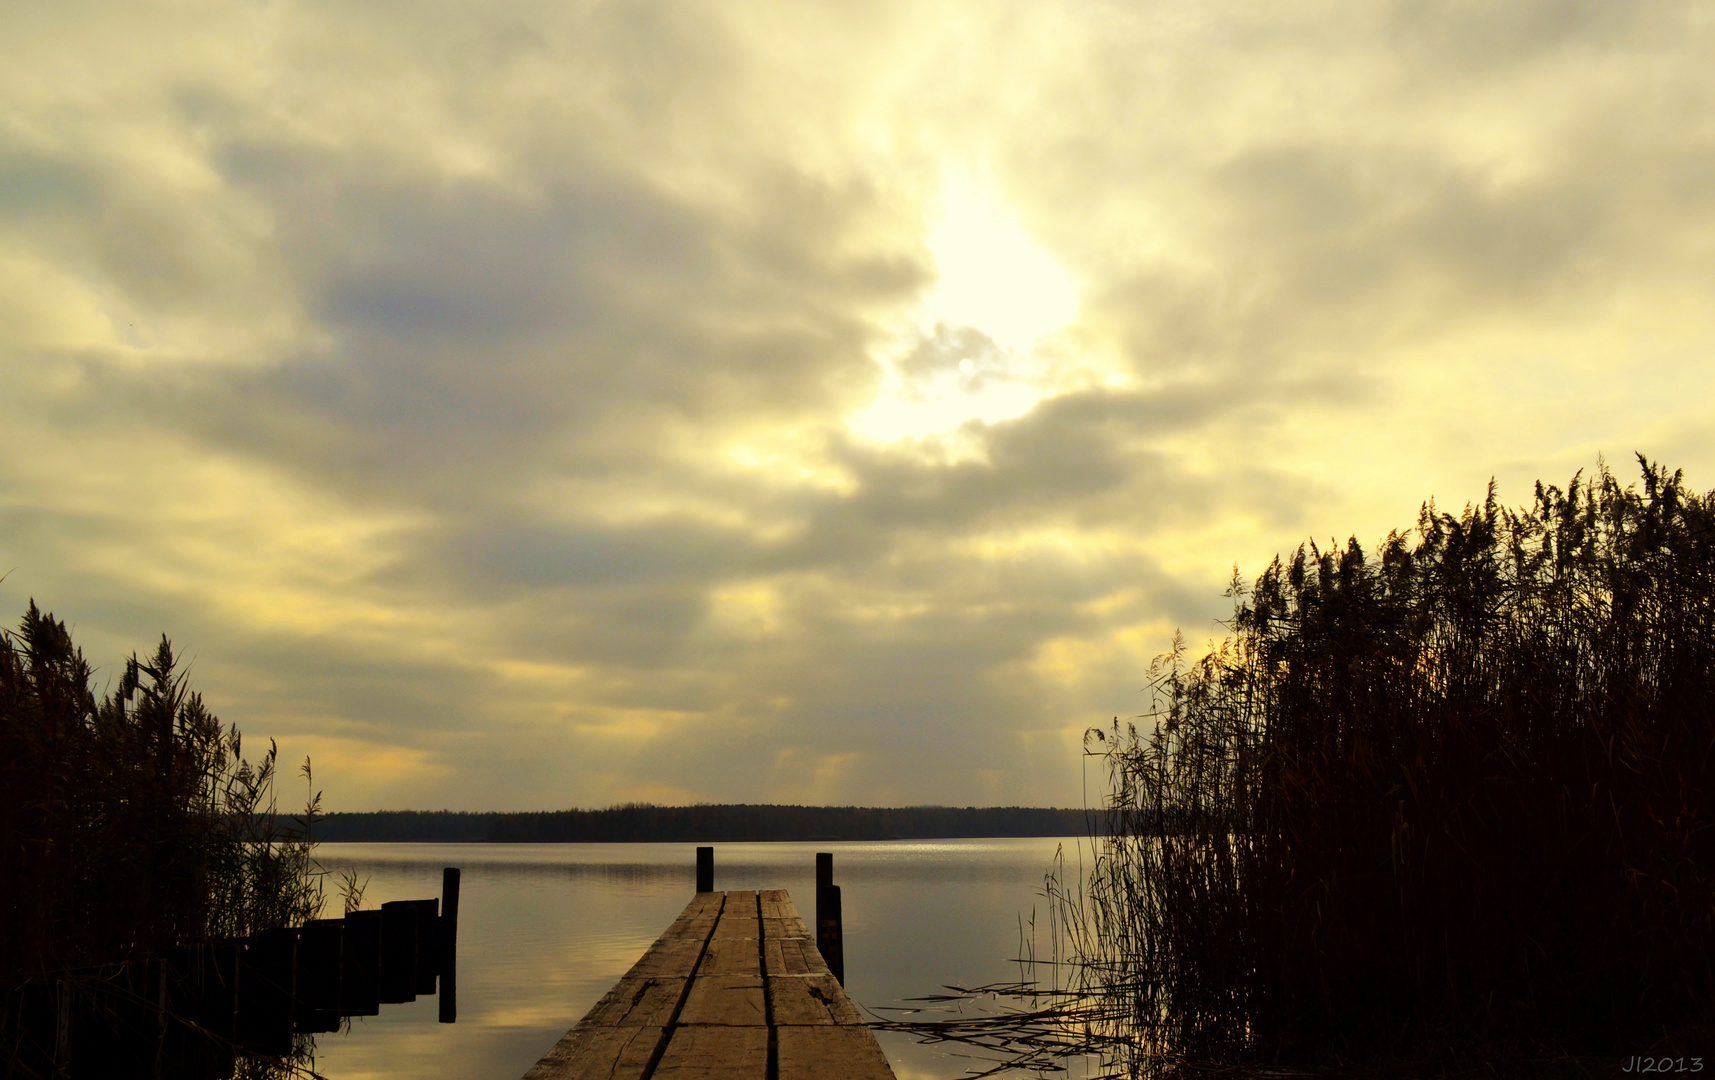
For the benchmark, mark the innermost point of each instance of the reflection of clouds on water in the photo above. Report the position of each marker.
(546, 929)
(737, 865)
(631, 873)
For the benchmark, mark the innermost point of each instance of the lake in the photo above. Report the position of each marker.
(546, 929)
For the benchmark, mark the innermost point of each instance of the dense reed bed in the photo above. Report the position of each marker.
(1443, 806)
(130, 822)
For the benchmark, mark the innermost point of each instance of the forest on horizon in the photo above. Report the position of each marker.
(648, 823)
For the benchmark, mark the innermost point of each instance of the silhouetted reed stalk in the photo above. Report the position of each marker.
(1443, 806)
(132, 824)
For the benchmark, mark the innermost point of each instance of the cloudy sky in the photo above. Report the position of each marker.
(528, 405)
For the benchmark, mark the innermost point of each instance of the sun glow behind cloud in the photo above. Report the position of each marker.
(979, 347)
(992, 275)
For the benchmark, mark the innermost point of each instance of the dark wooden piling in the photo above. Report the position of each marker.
(200, 1000)
(113, 1024)
(449, 1009)
(321, 952)
(705, 869)
(398, 983)
(830, 926)
(830, 931)
(428, 944)
(226, 968)
(263, 1021)
(208, 1001)
(360, 970)
(190, 1011)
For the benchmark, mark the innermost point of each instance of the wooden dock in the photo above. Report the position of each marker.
(736, 989)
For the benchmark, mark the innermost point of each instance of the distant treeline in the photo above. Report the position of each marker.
(643, 822)
(406, 825)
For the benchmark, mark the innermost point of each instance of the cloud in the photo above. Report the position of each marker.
(535, 405)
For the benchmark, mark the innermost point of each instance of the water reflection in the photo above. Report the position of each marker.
(545, 929)
(608, 873)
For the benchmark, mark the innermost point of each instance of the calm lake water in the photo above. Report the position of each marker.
(546, 929)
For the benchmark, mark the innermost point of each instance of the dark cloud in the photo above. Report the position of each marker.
(668, 554)
(1489, 37)
(1346, 225)
(35, 185)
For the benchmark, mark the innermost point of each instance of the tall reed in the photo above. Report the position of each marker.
(1448, 801)
(131, 823)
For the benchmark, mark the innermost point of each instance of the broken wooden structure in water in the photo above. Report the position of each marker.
(737, 988)
(188, 1014)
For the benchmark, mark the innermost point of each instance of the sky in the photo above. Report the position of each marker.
(527, 405)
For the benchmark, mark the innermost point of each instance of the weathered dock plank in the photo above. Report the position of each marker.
(739, 917)
(775, 904)
(649, 1002)
(823, 1053)
(780, 929)
(726, 1000)
(811, 1000)
(670, 956)
(732, 956)
(735, 989)
(696, 929)
(590, 1052)
(794, 956)
(716, 1053)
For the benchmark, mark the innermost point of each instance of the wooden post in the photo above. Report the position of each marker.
(829, 931)
(449, 944)
(321, 950)
(705, 869)
(360, 965)
(428, 944)
(398, 952)
(204, 1004)
(265, 990)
